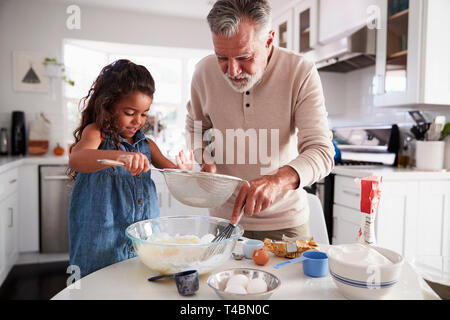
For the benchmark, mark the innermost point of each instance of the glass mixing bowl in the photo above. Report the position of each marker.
(174, 244)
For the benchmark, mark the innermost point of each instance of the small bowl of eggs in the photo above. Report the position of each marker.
(244, 284)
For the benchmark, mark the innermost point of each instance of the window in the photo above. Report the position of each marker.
(172, 69)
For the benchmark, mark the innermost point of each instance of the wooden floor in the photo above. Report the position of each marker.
(40, 281)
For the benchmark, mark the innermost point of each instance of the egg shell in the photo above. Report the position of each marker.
(235, 288)
(238, 279)
(257, 286)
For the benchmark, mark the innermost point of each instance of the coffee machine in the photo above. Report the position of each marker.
(18, 135)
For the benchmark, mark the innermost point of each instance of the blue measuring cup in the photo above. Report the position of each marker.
(315, 263)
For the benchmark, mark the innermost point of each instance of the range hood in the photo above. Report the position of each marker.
(354, 52)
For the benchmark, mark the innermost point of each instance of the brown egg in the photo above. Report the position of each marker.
(260, 256)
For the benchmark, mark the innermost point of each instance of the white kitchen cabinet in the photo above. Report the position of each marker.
(284, 30)
(398, 208)
(306, 25)
(413, 217)
(346, 223)
(340, 18)
(432, 229)
(413, 47)
(9, 230)
(11, 224)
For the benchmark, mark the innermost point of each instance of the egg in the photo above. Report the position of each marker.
(235, 288)
(257, 286)
(260, 256)
(238, 279)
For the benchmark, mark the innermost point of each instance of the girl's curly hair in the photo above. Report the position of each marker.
(115, 81)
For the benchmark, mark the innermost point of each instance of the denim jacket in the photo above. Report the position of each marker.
(103, 204)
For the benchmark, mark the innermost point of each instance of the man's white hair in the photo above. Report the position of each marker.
(226, 16)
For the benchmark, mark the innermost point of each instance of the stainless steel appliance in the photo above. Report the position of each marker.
(350, 53)
(3, 142)
(54, 195)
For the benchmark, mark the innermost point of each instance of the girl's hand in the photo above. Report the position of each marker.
(185, 160)
(135, 162)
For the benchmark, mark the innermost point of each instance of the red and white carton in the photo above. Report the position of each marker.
(370, 198)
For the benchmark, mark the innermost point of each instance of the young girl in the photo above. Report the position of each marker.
(105, 200)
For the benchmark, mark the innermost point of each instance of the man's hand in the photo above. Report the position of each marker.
(261, 192)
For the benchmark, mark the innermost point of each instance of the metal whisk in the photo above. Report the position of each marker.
(226, 233)
(223, 235)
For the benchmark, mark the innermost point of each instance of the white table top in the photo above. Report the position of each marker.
(127, 280)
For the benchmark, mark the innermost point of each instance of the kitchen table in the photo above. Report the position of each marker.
(128, 280)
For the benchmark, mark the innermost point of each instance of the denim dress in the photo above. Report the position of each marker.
(103, 204)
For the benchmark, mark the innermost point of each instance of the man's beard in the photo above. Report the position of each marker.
(241, 87)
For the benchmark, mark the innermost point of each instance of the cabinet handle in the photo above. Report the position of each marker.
(13, 181)
(354, 194)
(11, 218)
(170, 200)
(61, 177)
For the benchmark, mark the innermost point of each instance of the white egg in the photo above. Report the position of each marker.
(235, 288)
(238, 279)
(257, 286)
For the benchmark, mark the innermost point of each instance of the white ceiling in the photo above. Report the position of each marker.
(179, 8)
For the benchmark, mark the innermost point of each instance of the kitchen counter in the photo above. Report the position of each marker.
(128, 280)
(390, 173)
(9, 162)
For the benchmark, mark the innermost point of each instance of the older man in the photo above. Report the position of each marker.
(257, 97)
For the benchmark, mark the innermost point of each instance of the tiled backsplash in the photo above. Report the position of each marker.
(56, 126)
(349, 102)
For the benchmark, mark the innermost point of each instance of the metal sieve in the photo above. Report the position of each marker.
(193, 188)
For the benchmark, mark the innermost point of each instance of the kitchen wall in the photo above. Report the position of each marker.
(40, 26)
(349, 101)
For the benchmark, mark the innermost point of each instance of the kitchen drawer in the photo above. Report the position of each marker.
(347, 192)
(346, 224)
(9, 182)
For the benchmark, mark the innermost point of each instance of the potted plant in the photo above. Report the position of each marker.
(54, 69)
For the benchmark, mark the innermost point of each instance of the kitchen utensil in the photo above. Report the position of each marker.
(422, 126)
(172, 244)
(195, 189)
(223, 235)
(250, 245)
(364, 280)
(186, 281)
(172, 275)
(418, 117)
(315, 263)
(434, 134)
(218, 282)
